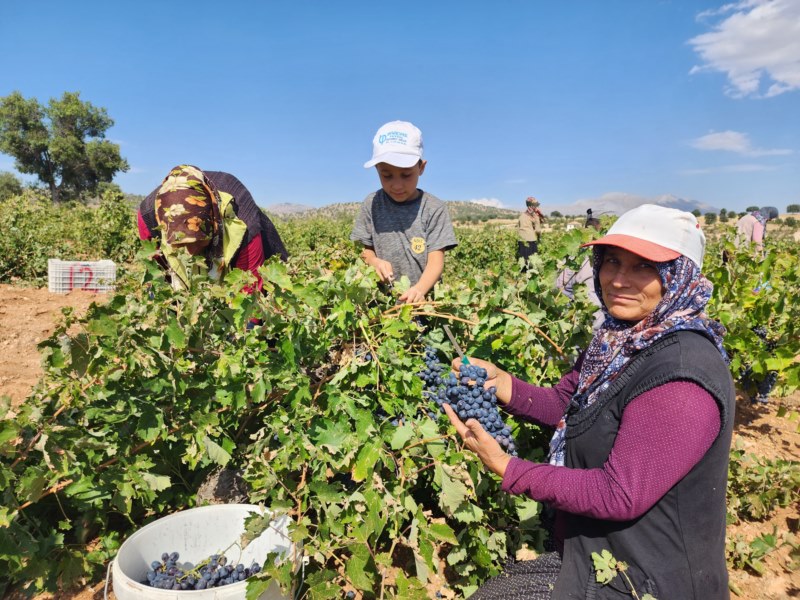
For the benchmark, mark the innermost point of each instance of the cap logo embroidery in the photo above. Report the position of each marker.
(393, 137)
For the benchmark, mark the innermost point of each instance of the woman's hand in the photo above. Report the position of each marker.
(480, 442)
(495, 377)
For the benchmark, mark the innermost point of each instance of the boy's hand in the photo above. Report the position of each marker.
(411, 295)
(480, 442)
(384, 269)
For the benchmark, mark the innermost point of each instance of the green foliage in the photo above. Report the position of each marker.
(750, 209)
(62, 143)
(9, 185)
(753, 290)
(757, 486)
(607, 568)
(793, 208)
(748, 555)
(35, 229)
(145, 395)
(710, 218)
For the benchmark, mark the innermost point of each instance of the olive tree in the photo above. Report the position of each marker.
(63, 144)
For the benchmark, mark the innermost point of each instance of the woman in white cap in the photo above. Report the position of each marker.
(643, 422)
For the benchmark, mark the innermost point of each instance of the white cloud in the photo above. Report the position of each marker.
(734, 141)
(746, 168)
(757, 46)
(493, 202)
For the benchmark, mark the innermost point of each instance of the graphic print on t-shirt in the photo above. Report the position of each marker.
(417, 245)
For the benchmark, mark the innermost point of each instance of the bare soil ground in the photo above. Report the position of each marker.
(29, 315)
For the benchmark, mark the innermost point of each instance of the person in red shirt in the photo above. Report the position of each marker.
(210, 213)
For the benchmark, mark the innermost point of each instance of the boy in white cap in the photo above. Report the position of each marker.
(404, 230)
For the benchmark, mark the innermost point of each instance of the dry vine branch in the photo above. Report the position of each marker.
(535, 328)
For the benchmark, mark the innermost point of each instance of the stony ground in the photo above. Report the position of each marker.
(28, 316)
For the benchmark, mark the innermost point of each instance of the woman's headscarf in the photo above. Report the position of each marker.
(764, 214)
(187, 208)
(686, 293)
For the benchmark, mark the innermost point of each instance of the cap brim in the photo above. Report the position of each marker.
(404, 161)
(638, 246)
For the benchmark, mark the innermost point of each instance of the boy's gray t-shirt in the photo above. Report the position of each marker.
(404, 232)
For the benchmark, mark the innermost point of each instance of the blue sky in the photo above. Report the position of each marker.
(571, 102)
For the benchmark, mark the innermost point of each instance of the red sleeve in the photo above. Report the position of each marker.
(663, 434)
(250, 258)
(144, 232)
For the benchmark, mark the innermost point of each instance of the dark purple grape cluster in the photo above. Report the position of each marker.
(467, 395)
(765, 386)
(209, 573)
(763, 335)
(471, 400)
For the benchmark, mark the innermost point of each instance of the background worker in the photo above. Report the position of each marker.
(529, 229)
(752, 227)
(567, 279)
(209, 213)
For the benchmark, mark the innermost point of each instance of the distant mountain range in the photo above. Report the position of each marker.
(612, 203)
(459, 211)
(617, 203)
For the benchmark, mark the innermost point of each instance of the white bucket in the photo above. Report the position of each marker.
(196, 534)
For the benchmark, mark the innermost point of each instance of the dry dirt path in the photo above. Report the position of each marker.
(29, 315)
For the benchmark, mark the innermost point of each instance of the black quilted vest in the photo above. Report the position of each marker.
(676, 550)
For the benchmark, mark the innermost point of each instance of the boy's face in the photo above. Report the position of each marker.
(400, 183)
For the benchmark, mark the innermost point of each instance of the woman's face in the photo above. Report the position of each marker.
(630, 284)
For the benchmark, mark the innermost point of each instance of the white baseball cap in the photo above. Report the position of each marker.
(657, 233)
(398, 143)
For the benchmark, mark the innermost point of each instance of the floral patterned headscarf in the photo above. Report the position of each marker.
(187, 209)
(686, 293)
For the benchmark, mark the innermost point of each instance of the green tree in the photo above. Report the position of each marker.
(62, 143)
(696, 212)
(711, 218)
(724, 215)
(556, 214)
(793, 208)
(750, 209)
(9, 185)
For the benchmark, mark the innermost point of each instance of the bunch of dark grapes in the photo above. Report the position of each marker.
(467, 396)
(434, 377)
(210, 573)
(763, 335)
(765, 387)
(745, 372)
(471, 400)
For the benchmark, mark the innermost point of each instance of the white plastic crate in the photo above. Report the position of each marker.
(64, 276)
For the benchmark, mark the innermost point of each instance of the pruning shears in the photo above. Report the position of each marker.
(455, 345)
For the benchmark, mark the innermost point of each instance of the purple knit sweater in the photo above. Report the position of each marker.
(663, 433)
